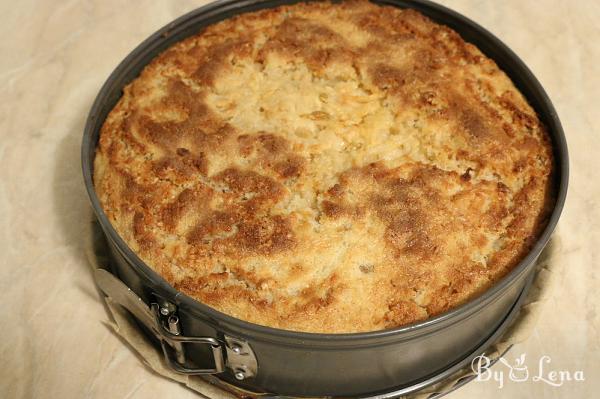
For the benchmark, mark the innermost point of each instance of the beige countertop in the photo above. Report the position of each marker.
(54, 56)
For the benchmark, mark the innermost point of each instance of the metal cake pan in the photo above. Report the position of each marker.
(198, 339)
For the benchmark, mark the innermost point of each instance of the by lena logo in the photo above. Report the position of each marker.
(519, 372)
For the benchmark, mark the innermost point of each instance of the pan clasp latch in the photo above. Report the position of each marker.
(172, 342)
(162, 320)
(240, 358)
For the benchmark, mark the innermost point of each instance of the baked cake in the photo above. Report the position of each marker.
(326, 167)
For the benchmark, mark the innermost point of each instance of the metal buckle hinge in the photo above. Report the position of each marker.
(172, 342)
(162, 320)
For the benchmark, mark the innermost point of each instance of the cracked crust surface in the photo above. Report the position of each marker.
(326, 168)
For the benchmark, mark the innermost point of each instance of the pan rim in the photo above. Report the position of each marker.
(218, 9)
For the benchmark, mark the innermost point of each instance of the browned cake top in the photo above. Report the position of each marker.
(326, 167)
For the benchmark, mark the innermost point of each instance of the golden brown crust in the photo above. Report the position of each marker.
(326, 167)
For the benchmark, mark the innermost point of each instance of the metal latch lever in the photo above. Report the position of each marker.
(239, 356)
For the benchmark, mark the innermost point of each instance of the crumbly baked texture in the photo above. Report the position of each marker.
(326, 167)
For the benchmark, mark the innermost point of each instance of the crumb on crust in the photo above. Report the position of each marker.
(326, 167)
